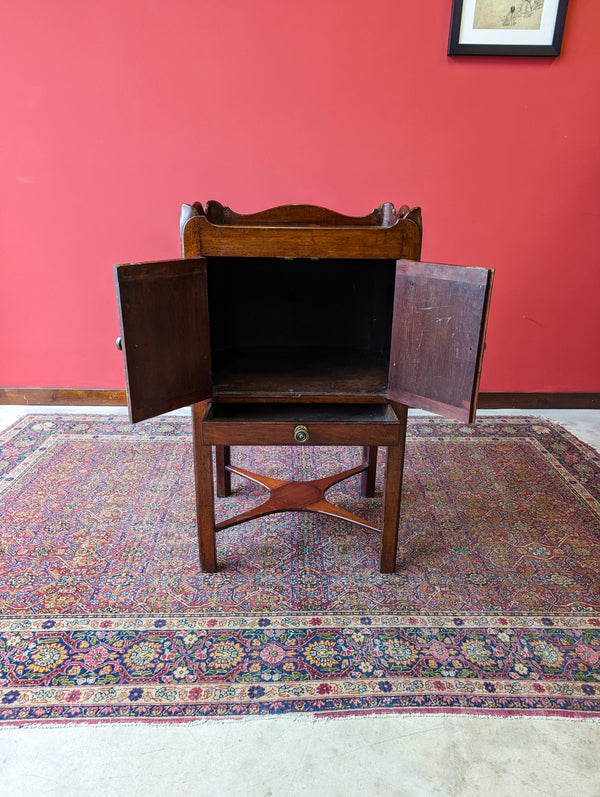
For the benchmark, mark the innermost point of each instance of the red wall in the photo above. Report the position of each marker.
(114, 113)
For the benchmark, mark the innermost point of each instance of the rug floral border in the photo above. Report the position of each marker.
(186, 668)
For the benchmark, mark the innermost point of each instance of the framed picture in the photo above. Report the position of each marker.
(507, 27)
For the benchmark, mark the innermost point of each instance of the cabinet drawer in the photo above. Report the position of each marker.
(300, 424)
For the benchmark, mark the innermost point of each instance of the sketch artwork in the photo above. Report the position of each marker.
(502, 14)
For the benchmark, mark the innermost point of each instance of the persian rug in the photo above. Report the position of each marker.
(105, 614)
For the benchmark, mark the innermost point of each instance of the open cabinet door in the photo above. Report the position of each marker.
(165, 335)
(438, 336)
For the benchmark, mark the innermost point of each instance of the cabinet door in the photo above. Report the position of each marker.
(438, 336)
(165, 335)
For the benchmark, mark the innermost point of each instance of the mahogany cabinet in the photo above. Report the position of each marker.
(300, 313)
(334, 309)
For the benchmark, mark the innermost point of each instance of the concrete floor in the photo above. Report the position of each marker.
(453, 756)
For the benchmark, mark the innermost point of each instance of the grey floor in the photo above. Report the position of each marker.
(280, 756)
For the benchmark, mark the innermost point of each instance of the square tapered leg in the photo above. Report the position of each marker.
(204, 495)
(222, 462)
(392, 494)
(367, 478)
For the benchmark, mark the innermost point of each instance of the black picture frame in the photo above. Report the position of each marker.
(551, 48)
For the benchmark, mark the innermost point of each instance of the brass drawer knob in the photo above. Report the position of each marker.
(301, 434)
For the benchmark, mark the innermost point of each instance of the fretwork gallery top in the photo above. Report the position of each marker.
(300, 304)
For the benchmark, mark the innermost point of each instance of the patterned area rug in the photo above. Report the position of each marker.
(105, 615)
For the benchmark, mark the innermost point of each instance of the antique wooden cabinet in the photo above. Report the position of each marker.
(300, 318)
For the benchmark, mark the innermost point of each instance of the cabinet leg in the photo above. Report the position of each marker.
(367, 479)
(392, 496)
(223, 459)
(204, 496)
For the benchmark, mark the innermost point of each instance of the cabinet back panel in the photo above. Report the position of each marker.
(295, 304)
(301, 326)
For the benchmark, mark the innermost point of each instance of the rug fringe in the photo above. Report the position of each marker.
(313, 719)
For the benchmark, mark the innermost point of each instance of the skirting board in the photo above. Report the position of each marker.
(101, 397)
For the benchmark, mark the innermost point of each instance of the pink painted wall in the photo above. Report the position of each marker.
(115, 113)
